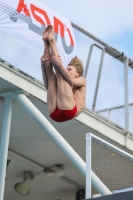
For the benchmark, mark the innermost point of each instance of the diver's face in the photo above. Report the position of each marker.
(72, 70)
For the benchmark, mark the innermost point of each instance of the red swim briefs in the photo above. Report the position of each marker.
(63, 115)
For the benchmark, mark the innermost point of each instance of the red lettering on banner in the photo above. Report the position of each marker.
(70, 35)
(39, 19)
(58, 23)
(23, 7)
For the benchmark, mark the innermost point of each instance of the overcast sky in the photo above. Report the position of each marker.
(109, 20)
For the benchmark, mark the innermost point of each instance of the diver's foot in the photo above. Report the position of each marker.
(45, 34)
(51, 37)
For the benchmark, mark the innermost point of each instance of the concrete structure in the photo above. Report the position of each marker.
(30, 149)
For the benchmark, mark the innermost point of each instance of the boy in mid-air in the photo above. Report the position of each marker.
(66, 95)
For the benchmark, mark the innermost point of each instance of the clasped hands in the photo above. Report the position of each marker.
(56, 60)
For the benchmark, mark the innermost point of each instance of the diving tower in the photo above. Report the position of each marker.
(31, 149)
(12, 79)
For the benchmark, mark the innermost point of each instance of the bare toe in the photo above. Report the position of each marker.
(45, 34)
(51, 33)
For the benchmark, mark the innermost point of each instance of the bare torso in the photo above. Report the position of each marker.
(79, 98)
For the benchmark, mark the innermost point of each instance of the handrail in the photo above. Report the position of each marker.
(99, 72)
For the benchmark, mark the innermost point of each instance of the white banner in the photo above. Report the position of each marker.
(27, 20)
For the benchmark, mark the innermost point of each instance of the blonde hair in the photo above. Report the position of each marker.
(77, 63)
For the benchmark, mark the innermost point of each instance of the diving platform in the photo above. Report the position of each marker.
(12, 79)
(31, 149)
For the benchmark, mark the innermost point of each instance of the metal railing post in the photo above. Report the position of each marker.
(99, 72)
(98, 80)
(88, 166)
(5, 134)
(88, 61)
(91, 177)
(60, 141)
(126, 95)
